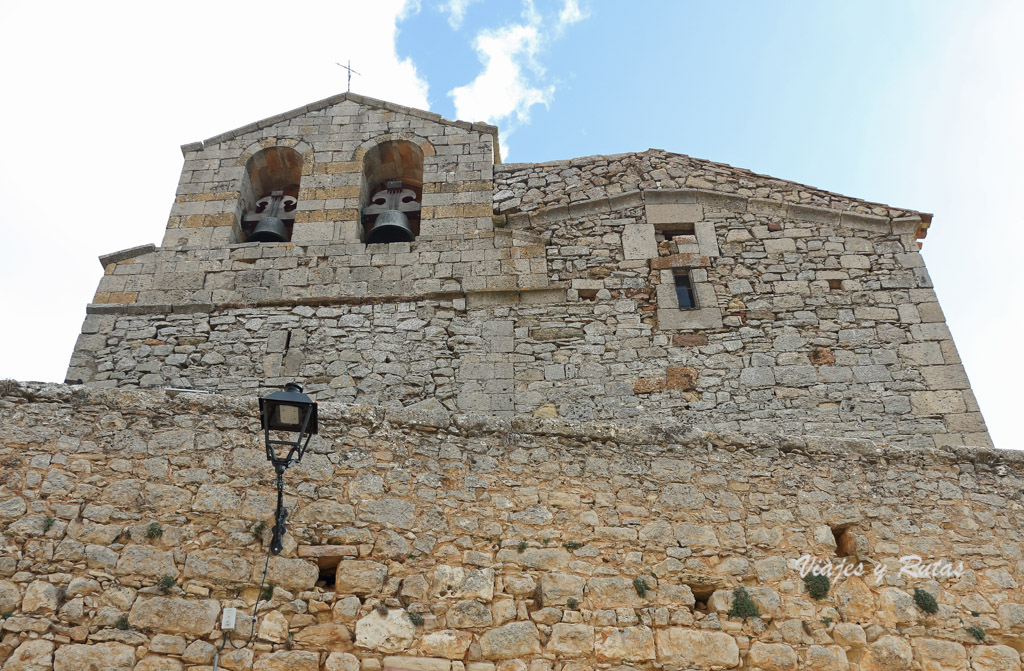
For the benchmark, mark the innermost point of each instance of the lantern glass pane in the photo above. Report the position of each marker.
(288, 416)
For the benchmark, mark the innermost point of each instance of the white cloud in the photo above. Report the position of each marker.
(501, 90)
(570, 14)
(513, 79)
(456, 10)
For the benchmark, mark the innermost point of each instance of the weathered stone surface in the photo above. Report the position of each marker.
(292, 574)
(937, 655)
(613, 593)
(392, 633)
(571, 640)
(521, 585)
(397, 663)
(477, 584)
(543, 559)
(830, 658)
(681, 377)
(635, 643)
(288, 660)
(198, 652)
(849, 636)
(360, 577)
(10, 596)
(854, 600)
(216, 566)
(329, 512)
(147, 561)
(509, 641)
(341, 661)
(174, 616)
(328, 636)
(40, 597)
(1011, 616)
(468, 614)
(157, 663)
(557, 588)
(697, 649)
(99, 657)
(273, 627)
(167, 644)
(216, 499)
(447, 643)
(31, 655)
(12, 508)
(398, 512)
(888, 653)
(994, 658)
(771, 657)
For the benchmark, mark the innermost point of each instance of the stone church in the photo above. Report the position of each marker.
(598, 413)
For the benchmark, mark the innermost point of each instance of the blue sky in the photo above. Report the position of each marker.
(917, 104)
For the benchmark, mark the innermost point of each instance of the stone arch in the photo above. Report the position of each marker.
(384, 160)
(269, 170)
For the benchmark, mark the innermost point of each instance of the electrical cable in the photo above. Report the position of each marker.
(259, 597)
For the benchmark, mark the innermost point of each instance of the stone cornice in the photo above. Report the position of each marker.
(823, 215)
(650, 439)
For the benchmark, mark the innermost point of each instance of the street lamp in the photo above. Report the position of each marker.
(286, 412)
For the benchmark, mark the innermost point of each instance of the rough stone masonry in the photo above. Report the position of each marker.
(532, 456)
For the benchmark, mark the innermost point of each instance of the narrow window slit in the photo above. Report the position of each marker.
(684, 291)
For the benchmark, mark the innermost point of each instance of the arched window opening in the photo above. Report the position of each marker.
(271, 195)
(392, 192)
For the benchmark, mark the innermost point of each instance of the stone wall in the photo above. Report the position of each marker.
(525, 187)
(813, 320)
(130, 519)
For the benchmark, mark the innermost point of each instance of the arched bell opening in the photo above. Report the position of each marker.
(392, 191)
(271, 195)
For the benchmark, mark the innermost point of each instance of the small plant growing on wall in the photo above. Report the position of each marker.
(925, 601)
(48, 524)
(977, 632)
(268, 592)
(572, 604)
(257, 530)
(573, 545)
(154, 531)
(415, 618)
(382, 609)
(742, 605)
(641, 586)
(817, 586)
(521, 547)
(122, 623)
(166, 583)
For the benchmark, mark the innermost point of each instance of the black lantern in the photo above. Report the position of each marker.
(286, 412)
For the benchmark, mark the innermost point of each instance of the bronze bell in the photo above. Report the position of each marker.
(269, 229)
(390, 226)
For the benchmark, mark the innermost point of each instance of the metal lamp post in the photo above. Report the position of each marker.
(286, 412)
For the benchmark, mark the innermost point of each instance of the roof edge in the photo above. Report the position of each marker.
(583, 160)
(334, 100)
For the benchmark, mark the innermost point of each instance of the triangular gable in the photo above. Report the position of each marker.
(334, 100)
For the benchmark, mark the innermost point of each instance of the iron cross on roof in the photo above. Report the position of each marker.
(350, 73)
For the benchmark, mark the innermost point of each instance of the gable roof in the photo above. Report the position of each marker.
(334, 100)
(655, 170)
